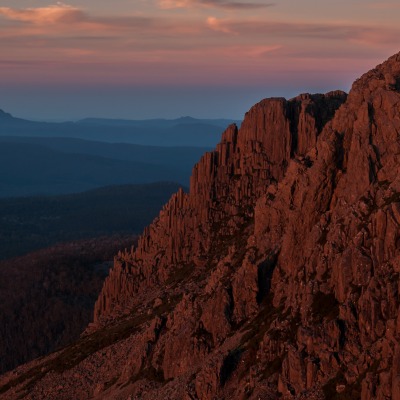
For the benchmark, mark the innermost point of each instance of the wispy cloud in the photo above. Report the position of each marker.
(59, 13)
(228, 5)
(61, 21)
(169, 46)
(218, 25)
(384, 6)
(332, 31)
(59, 18)
(261, 51)
(64, 15)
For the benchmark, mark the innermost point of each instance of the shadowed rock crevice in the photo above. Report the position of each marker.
(264, 275)
(229, 365)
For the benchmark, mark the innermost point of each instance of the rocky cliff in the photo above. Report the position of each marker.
(193, 228)
(276, 276)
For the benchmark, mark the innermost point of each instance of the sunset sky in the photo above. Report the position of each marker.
(168, 58)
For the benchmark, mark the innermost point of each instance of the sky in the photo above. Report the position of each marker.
(169, 58)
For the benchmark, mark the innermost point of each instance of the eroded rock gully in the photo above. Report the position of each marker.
(276, 276)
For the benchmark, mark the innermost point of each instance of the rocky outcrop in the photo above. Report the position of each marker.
(224, 187)
(276, 276)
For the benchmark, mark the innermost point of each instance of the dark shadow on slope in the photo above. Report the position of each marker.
(265, 271)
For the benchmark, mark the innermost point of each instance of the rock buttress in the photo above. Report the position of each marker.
(224, 188)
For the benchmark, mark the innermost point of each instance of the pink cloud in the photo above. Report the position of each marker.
(59, 13)
(218, 25)
(224, 4)
(140, 48)
(174, 3)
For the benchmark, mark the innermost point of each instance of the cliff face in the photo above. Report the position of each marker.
(276, 276)
(224, 187)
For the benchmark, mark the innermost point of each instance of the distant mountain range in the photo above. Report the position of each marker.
(52, 165)
(185, 131)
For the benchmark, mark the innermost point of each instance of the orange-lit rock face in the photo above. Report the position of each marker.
(225, 186)
(277, 276)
